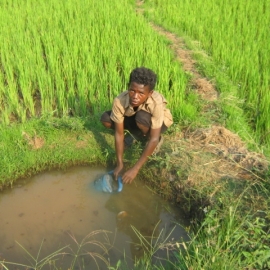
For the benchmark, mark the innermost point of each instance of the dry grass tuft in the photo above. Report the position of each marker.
(205, 156)
(229, 148)
(205, 89)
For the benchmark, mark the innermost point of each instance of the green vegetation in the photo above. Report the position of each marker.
(47, 143)
(72, 60)
(63, 62)
(236, 35)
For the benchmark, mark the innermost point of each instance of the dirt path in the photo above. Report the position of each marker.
(200, 84)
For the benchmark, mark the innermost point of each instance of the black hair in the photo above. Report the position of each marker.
(145, 76)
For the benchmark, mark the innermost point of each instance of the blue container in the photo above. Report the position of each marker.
(107, 184)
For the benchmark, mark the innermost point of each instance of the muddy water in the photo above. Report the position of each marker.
(61, 208)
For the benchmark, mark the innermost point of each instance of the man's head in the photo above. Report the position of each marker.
(141, 84)
(145, 76)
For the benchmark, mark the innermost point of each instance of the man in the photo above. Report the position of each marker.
(142, 110)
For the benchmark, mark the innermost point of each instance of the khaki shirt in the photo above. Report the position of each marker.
(155, 105)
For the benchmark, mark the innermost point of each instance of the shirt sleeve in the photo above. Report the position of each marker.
(117, 114)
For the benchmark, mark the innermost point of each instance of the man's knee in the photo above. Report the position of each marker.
(144, 129)
(143, 119)
(106, 120)
(106, 124)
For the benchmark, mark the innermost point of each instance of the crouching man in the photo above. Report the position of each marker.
(142, 111)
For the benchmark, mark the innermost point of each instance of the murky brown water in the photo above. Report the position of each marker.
(60, 208)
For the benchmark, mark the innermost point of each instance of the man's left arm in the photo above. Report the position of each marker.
(149, 149)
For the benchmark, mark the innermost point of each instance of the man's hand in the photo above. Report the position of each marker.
(129, 175)
(151, 145)
(117, 171)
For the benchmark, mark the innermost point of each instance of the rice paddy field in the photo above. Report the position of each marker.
(236, 35)
(62, 62)
(65, 59)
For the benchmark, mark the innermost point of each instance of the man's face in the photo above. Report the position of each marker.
(138, 94)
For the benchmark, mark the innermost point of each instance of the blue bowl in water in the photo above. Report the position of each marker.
(107, 184)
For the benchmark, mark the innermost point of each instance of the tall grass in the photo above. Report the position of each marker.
(236, 35)
(227, 240)
(73, 58)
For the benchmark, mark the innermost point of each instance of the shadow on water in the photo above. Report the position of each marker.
(62, 208)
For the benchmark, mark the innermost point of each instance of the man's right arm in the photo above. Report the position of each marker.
(119, 147)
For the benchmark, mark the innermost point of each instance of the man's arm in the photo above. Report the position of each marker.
(149, 149)
(119, 147)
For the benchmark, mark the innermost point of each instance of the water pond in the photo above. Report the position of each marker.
(60, 212)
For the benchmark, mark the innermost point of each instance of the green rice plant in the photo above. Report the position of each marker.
(73, 59)
(236, 35)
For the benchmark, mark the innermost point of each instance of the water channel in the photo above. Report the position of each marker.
(61, 209)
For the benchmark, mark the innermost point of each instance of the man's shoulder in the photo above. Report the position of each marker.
(124, 94)
(158, 98)
(122, 99)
